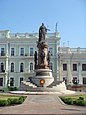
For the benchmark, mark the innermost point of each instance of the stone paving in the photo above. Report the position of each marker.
(43, 104)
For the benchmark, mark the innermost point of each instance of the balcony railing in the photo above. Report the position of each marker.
(71, 50)
(7, 34)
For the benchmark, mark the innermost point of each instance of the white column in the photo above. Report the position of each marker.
(57, 72)
(79, 73)
(6, 65)
(7, 57)
(60, 70)
(69, 79)
(5, 80)
(57, 60)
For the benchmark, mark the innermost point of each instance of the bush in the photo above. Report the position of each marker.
(79, 102)
(62, 98)
(13, 88)
(81, 98)
(9, 101)
(3, 102)
(21, 99)
(67, 100)
(12, 101)
(70, 101)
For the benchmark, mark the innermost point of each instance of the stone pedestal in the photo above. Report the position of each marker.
(43, 77)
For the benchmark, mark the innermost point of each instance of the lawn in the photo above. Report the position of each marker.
(74, 99)
(5, 97)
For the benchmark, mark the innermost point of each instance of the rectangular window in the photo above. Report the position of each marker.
(64, 67)
(51, 51)
(31, 66)
(2, 67)
(83, 67)
(12, 52)
(12, 67)
(11, 81)
(21, 67)
(21, 79)
(21, 51)
(31, 52)
(2, 52)
(84, 80)
(74, 67)
(1, 81)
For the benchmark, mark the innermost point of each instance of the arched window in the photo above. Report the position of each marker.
(31, 66)
(2, 67)
(12, 67)
(21, 67)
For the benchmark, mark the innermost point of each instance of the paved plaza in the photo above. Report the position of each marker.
(43, 104)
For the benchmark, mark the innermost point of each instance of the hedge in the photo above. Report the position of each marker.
(3, 102)
(80, 101)
(13, 88)
(12, 101)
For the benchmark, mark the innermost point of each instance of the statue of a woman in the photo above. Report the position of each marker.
(42, 32)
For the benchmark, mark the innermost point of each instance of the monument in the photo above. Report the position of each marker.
(43, 74)
(42, 82)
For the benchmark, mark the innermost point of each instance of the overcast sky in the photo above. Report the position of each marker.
(27, 15)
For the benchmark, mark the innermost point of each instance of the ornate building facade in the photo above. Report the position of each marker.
(72, 65)
(17, 59)
(17, 56)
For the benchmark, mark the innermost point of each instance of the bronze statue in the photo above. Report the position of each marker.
(42, 32)
(42, 56)
(48, 57)
(35, 59)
